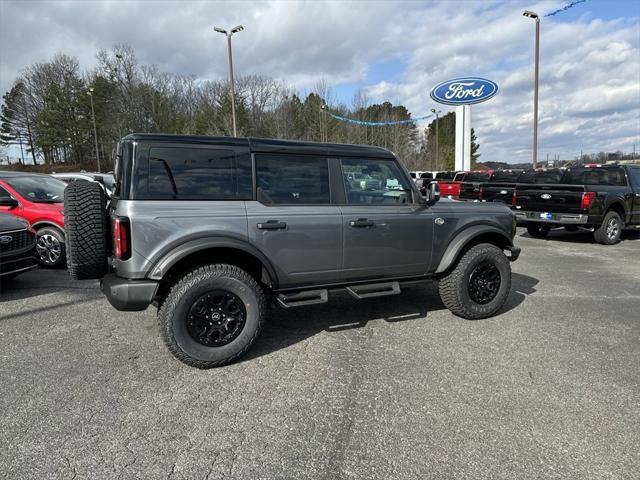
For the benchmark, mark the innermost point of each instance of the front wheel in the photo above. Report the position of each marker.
(212, 315)
(50, 247)
(479, 284)
(538, 230)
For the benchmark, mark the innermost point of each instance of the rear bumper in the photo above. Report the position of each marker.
(554, 218)
(128, 295)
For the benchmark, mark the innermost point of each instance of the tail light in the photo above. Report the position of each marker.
(587, 198)
(122, 238)
(481, 193)
(514, 198)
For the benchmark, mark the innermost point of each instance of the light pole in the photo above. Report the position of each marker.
(536, 17)
(95, 131)
(436, 112)
(237, 29)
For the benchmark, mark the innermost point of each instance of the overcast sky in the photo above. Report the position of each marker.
(396, 51)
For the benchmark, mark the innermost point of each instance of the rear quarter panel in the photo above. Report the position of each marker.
(159, 226)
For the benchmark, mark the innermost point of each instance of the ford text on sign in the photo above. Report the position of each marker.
(464, 91)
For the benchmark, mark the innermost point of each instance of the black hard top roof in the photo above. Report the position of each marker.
(268, 145)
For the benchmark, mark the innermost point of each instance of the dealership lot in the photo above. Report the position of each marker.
(389, 388)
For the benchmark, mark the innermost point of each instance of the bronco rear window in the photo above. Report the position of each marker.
(198, 173)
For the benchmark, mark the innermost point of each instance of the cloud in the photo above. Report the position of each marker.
(589, 79)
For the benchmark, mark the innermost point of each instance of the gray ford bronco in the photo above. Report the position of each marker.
(211, 230)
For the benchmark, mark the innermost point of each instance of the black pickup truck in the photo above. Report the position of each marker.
(604, 199)
(499, 187)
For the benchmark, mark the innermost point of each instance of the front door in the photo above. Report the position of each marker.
(386, 231)
(292, 220)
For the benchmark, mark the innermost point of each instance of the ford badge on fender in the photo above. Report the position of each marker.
(464, 91)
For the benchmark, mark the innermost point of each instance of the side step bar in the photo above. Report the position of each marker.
(374, 290)
(299, 299)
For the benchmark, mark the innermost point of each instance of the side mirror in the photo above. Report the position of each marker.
(8, 202)
(432, 193)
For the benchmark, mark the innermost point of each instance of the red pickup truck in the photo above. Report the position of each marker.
(452, 188)
(39, 200)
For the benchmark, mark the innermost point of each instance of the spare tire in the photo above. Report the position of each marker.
(87, 230)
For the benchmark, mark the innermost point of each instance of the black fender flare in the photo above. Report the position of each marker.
(463, 238)
(173, 256)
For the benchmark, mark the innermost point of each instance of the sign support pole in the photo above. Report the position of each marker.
(463, 137)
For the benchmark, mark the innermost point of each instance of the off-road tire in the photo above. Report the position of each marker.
(538, 230)
(173, 311)
(56, 235)
(602, 234)
(87, 230)
(454, 287)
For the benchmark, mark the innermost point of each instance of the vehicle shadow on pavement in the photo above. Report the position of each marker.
(286, 327)
(581, 236)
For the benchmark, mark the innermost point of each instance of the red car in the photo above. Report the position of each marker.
(452, 188)
(38, 199)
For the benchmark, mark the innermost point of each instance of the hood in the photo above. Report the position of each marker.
(11, 222)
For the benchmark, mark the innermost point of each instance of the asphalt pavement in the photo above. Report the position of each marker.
(390, 388)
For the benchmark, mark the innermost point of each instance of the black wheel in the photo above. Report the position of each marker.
(87, 229)
(609, 232)
(538, 230)
(571, 228)
(479, 284)
(212, 315)
(50, 247)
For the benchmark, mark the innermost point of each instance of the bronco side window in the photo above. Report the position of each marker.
(198, 173)
(375, 182)
(292, 179)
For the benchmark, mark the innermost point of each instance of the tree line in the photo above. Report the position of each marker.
(47, 112)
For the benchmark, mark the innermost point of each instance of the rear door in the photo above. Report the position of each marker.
(386, 231)
(292, 220)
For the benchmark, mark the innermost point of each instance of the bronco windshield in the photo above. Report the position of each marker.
(39, 189)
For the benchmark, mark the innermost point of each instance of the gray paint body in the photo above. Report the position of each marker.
(318, 245)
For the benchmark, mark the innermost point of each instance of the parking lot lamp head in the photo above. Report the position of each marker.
(220, 30)
(237, 29)
(530, 14)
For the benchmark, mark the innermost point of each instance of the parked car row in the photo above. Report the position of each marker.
(38, 200)
(601, 198)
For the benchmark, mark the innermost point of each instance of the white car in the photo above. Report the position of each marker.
(105, 180)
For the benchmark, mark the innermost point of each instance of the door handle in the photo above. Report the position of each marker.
(272, 225)
(361, 223)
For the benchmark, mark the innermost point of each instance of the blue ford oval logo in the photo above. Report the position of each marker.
(4, 239)
(545, 196)
(464, 91)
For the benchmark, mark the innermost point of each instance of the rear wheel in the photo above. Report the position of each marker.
(212, 315)
(50, 247)
(538, 230)
(609, 232)
(86, 226)
(479, 284)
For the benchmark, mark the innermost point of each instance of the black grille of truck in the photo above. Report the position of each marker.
(19, 240)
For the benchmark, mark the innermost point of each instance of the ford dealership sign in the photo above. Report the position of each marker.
(464, 91)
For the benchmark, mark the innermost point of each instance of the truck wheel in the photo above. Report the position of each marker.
(609, 232)
(86, 227)
(538, 230)
(212, 315)
(479, 284)
(50, 247)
